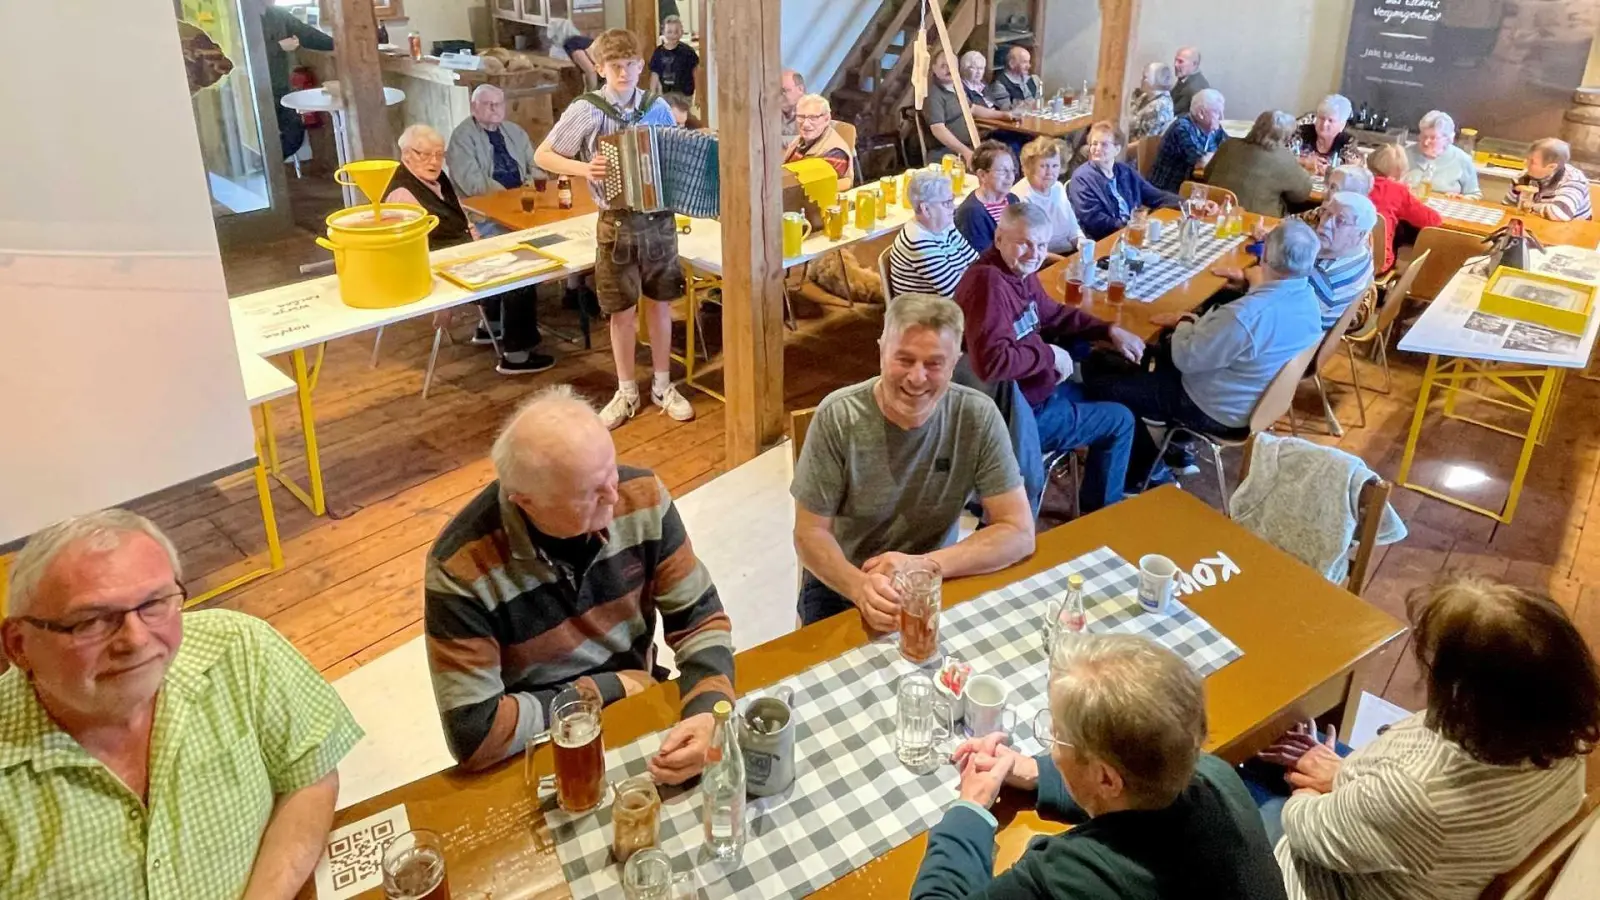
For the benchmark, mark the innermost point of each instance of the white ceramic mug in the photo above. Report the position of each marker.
(1158, 579)
(986, 709)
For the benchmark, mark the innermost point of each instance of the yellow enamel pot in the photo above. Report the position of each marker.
(382, 258)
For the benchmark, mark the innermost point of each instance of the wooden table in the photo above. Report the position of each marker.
(505, 207)
(1040, 126)
(1583, 233)
(1134, 315)
(1302, 639)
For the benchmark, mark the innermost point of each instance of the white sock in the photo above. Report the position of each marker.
(663, 380)
(628, 389)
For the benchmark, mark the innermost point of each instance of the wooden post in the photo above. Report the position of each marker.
(1117, 21)
(644, 20)
(355, 60)
(748, 66)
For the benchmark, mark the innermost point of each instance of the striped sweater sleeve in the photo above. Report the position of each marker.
(1379, 822)
(926, 265)
(692, 619)
(1568, 200)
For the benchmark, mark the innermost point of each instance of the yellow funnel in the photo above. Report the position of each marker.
(370, 176)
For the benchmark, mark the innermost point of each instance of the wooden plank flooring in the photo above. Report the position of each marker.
(397, 467)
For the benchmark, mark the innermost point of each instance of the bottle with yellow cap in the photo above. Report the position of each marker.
(722, 789)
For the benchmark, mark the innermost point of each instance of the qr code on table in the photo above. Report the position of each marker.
(351, 863)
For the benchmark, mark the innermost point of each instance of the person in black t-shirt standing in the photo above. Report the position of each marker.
(672, 65)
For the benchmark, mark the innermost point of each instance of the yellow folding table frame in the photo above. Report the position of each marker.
(1533, 390)
(305, 382)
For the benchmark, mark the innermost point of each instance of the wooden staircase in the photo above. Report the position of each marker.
(873, 84)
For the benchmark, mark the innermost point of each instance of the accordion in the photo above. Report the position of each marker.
(655, 169)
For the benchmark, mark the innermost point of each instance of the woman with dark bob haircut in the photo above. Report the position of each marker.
(1447, 799)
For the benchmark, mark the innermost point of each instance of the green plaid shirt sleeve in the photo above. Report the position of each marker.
(241, 719)
(303, 726)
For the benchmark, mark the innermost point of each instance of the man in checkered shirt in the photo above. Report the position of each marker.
(637, 253)
(145, 752)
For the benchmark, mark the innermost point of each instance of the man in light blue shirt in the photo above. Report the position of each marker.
(1210, 373)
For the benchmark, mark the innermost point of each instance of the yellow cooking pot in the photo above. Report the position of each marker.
(382, 256)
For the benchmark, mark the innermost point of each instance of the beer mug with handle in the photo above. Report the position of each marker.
(578, 750)
(920, 584)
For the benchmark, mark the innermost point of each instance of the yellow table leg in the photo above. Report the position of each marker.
(1542, 412)
(305, 379)
(269, 521)
(697, 287)
(1416, 419)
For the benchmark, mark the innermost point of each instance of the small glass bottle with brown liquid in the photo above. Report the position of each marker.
(564, 192)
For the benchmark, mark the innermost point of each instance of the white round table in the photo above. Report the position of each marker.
(319, 100)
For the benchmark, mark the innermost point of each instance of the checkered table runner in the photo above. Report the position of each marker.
(1169, 271)
(852, 801)
(1466, 212)
(1071, 111)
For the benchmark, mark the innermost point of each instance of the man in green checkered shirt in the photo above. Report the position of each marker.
(148, 753)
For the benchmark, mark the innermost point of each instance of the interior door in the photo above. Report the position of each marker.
(236, 122)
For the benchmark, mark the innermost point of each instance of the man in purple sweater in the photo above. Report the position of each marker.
(1016, 332)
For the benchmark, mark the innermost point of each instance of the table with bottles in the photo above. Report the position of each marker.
(1173, 278)
(496, 832)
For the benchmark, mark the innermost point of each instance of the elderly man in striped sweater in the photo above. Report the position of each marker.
(1561, 190)
(555, 576)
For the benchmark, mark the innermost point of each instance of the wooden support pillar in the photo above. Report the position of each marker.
(748, 66)
(644, 20)
(355, 59)
(1118, 21)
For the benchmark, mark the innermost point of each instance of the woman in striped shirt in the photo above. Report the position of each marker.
(978, 216)
(1446, 800)
(929, 256)
(1561, 191)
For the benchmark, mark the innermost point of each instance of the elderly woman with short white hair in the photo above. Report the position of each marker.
(1041, 186)
(1325, 141)
(1150, 106)
(929, 256)
(421, 181)
(1436, 161)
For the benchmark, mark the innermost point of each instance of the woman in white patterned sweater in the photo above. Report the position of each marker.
(1446, 800)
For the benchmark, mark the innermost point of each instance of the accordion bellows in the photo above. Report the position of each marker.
(654, 169)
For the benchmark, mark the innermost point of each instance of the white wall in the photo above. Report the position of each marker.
(817, 34)
(118, 371)
(1262, 54)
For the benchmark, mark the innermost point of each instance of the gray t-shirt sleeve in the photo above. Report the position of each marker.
(819, 475)
(995, 468)
(944, 109)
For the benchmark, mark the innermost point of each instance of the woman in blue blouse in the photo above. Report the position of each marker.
(1105, 192)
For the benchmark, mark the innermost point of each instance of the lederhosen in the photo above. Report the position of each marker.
(636, 253)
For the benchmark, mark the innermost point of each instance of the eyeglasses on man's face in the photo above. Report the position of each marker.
(97, 628)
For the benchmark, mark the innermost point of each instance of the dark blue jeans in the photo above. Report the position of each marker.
(1067, 420)
(1156, 395)
(1267, 786)
(818, 601)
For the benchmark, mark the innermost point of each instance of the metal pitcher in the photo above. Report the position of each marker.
(766, 735)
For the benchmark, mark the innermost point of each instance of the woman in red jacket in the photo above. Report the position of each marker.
(1394, 200)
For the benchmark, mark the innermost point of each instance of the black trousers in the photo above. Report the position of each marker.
(517, 313)
(1153, 390)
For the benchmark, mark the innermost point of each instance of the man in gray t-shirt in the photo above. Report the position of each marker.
(888, 465)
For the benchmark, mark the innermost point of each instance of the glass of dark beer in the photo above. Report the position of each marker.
(920, 587)
(580, 754)
(413, 867)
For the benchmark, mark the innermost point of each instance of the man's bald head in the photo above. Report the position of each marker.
(1019, 61)
(1186, 61)
(555, 460)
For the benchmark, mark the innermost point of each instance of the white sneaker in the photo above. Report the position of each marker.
(621, 408)
(672, 403)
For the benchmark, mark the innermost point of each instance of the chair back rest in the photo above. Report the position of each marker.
(883, 273)
(1145, 152)
(1275, 400)
(799, 424)
(1329, 344)
(1369, 515)
(1535, 871)
(847, 132)
(1380, 245)
(1395, 298)
(1450, 249)
(1217, 195)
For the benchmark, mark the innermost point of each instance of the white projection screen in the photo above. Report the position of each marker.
(118, 371)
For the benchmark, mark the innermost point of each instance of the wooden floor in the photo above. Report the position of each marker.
(397, 467)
